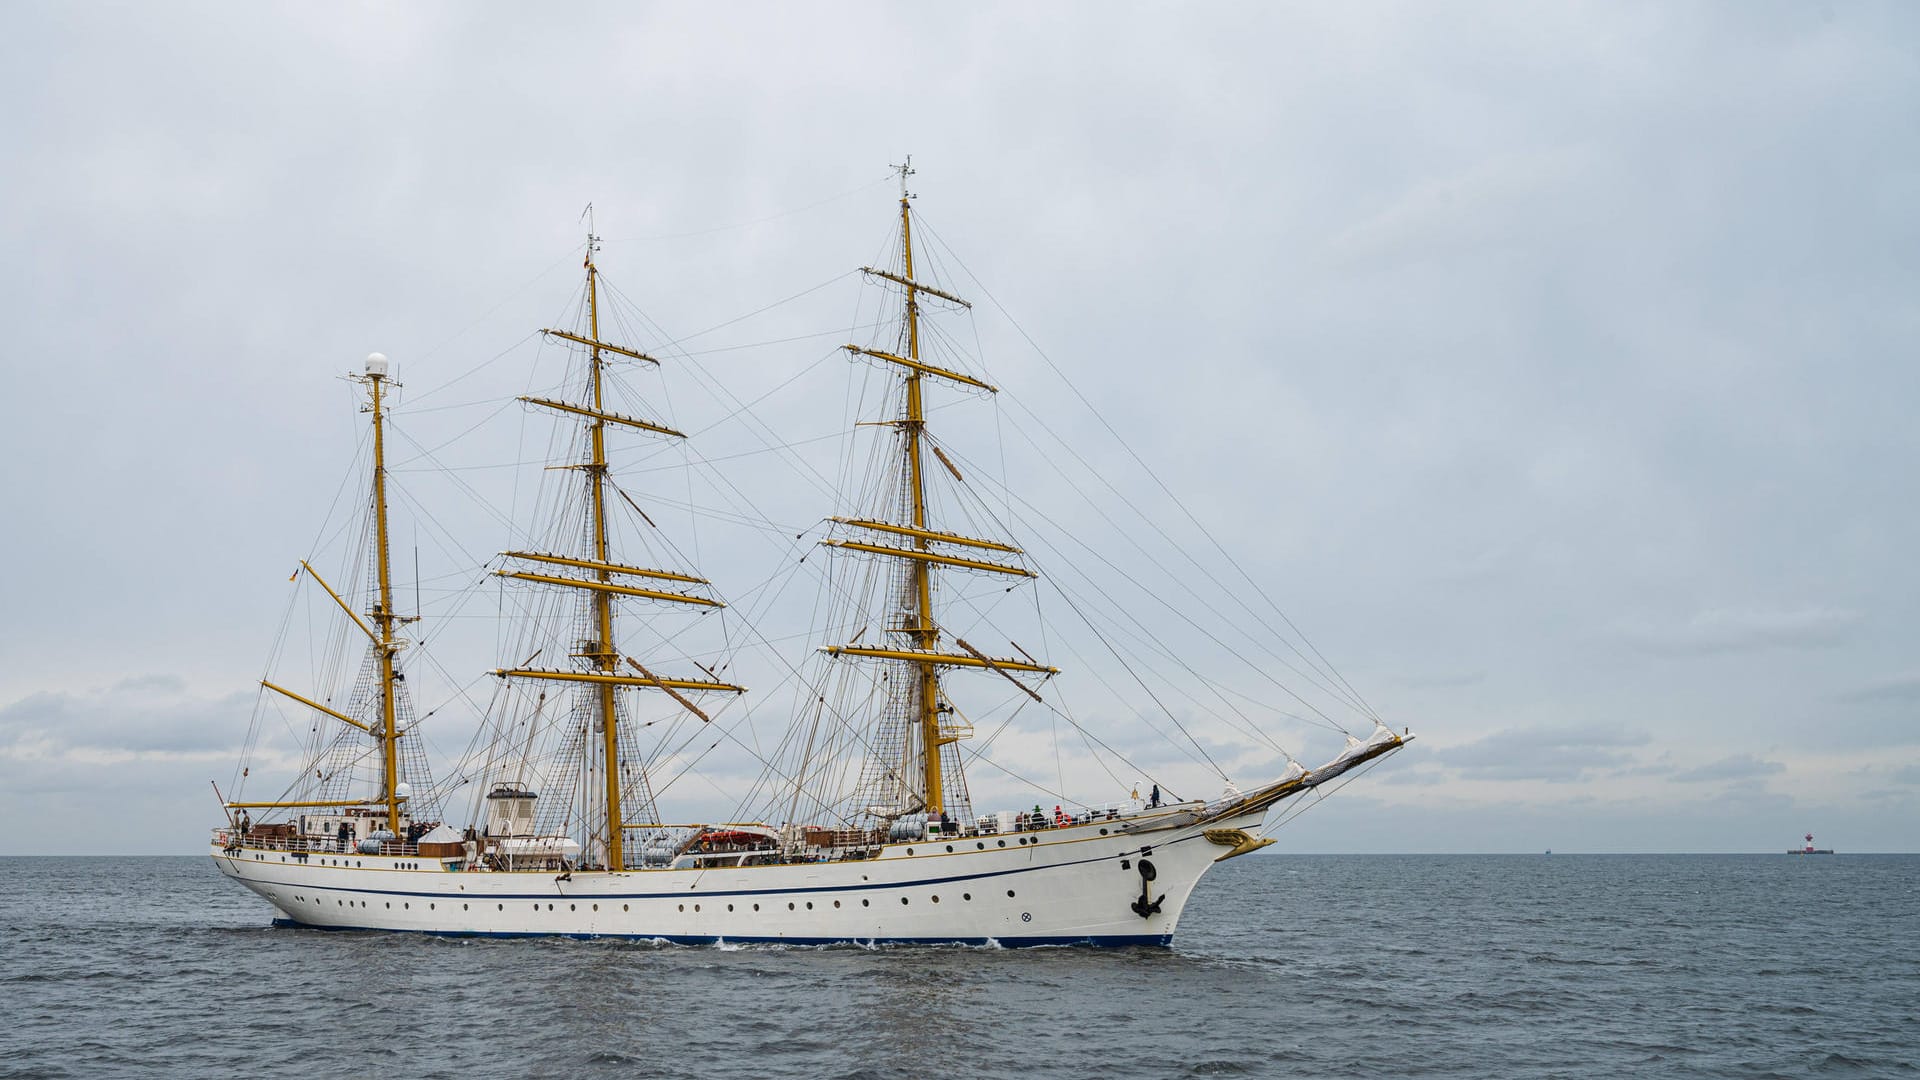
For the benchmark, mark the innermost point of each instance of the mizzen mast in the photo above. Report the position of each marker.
(381, 636)
(383, 614)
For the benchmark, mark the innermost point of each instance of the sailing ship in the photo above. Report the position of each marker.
(571, 836)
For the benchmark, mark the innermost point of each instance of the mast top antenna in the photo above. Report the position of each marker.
(377, 365)
(905, 170)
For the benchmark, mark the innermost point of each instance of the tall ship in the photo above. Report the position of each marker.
(560, 819)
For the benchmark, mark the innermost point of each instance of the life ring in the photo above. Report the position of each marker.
(223, 839)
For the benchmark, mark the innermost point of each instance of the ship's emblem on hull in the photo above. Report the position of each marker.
(1240, 840)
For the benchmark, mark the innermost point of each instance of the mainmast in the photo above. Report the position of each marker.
(921, 627)
(601, 656)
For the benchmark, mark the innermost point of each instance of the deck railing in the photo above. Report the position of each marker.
(259, 840)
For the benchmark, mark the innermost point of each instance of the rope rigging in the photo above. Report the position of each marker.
(854, 739)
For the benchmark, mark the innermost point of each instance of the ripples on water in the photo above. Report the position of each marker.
(1314, 966)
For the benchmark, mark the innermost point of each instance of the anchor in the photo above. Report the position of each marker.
(1147, 906)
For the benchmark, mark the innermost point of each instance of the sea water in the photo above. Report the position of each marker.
(1309, 966)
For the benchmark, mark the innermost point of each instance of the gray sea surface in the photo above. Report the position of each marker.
(1309, 966)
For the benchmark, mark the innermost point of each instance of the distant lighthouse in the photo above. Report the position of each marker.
(1809, 849)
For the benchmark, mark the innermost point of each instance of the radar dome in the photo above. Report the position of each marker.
(376, 364)
(401, 790)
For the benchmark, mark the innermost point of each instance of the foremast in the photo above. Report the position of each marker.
(603, 677)
(925, 659)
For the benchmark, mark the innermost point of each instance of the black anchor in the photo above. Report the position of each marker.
(1147, 906)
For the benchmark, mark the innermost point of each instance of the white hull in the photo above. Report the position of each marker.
(1074, 885)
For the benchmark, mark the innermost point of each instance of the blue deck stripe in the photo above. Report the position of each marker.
(866, 886)
(1109, 941)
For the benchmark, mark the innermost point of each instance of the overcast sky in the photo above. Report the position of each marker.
(1553, 365)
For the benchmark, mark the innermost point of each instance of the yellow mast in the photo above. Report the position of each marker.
(606, 657)
(383, 614)
(604, 680)
(925, 658)
(926, 634)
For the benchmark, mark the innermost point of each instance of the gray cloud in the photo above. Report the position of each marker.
(1441, 680)
(1565, 755)
(153, 716)
(1731, 630)
(1736, 767)
(1904, 689)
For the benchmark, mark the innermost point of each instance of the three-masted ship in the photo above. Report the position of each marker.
(570, 837)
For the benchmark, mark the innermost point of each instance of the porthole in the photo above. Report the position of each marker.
(729, 907)
(1103, 832)
(683, 907)
(696, 907)
(789, 905)
(464, 907)
(573, 907)
(389, 903)
(1003, 843)
(501, 907)
(549, 907)
(866, 903)
(936, 899)
(949, 849)
(406, 906)
(433, 907)
(809, 905)
(903, 900)
(836, 903)
(909, 851)
(596, 907)
(1009, 893)
(756, 907)
(966, 896)
(624, 907)
(981, 844)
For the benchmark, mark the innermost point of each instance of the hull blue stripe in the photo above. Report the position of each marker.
(798, 890)
(1096, 940)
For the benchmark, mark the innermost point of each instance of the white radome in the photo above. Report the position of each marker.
(376, 364)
